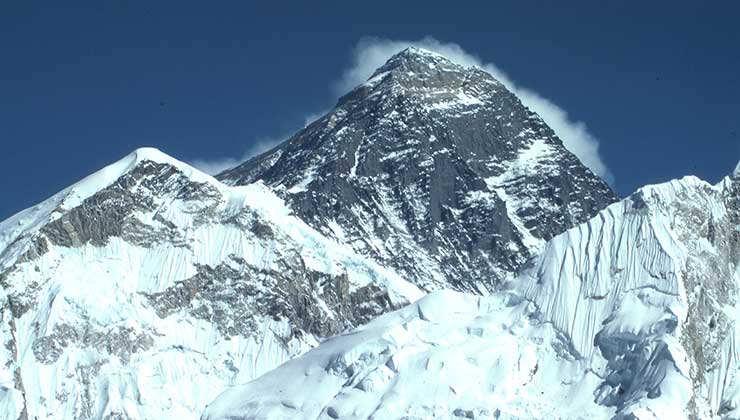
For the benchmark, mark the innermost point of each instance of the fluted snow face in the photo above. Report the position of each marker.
(650, 286)
(632, 315)
(146, 289)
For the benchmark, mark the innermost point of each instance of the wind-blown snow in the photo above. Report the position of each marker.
(372, 52)
(402, 165)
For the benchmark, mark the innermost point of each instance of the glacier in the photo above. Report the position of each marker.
(631, 315)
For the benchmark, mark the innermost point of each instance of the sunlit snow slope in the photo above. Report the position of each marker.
(631, 315)
(144, 290)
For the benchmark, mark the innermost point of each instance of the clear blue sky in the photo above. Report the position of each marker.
(657, 82)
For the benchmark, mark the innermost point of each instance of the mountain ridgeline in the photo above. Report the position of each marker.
(434, 169)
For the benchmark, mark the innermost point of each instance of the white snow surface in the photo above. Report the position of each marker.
(631, 315)
(536, 158)
(103, 349)
(449, 355)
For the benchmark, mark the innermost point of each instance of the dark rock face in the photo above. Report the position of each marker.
(119, 341)
(235, 295)
(112, 211)
(434, 169)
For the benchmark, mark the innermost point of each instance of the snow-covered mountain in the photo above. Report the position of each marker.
(148, 288)
(145, 289)
(434, 169)
(631, 315)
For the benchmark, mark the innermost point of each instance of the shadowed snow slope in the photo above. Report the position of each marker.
(145, 289)
(631, 315)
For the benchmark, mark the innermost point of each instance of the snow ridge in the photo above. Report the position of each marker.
(148, 288)
(145, 289)
(31, 219)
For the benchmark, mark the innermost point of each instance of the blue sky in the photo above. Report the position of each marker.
(655, 84)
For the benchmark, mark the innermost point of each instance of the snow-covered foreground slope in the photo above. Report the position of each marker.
(144, 290)
(449, 355)
(632, 315)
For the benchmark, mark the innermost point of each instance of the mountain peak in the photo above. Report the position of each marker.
(419, 53)
(434, 81)
(106, 176)
(420, 150)
(417, 60)
(150, 153)
(148, 265)
(736, 172)
(607, 304)
(141, 160)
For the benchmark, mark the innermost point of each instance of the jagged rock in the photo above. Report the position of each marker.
(147, 288)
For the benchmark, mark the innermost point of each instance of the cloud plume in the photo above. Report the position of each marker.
(218, 165)
(371, 53)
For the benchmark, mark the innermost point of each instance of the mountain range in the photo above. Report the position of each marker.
(428, 248)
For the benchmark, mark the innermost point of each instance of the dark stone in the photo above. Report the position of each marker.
(111, 211)
(227, 295)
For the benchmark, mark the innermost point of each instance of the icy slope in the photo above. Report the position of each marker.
(142, 291)
(650, 287)
(632, 315)
(434, 169)
(447, 356)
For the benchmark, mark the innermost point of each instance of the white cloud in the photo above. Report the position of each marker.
(218, 165)
(214, 166)
(371, 53)
(313, 117)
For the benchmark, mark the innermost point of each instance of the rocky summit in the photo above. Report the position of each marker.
(433, 169)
